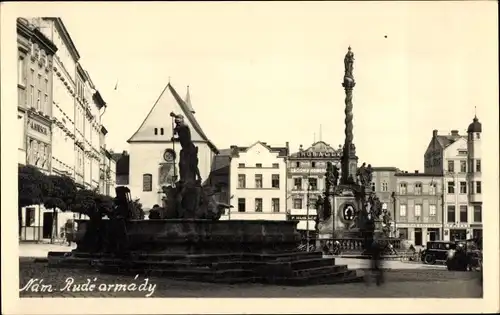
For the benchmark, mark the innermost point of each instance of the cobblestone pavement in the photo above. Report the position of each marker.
(403, 283)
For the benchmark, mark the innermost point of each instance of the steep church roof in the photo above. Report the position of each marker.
(159, 119)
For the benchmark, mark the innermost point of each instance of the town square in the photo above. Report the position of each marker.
(262, 160)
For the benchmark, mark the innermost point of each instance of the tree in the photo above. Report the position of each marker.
(33, 185)
(60, 195)
(85, 202)
(104, 204)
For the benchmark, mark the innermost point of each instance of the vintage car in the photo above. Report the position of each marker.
(466, 256)
(436, 251)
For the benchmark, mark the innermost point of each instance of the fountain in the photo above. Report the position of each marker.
(189, 242)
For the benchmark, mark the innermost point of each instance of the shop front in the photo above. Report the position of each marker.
(35, 221)
(457, 232)
(419, 234)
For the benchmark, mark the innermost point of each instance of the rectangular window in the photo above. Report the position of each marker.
(29, 220)
(242, 182)
(39, 101)
(478, 166)
(477, 214)
(463, 166)
(275, 181)
(451, 166)
(313, 183)
(297, 203)
(21, 75)
(258, 204)
(313, 164)
(451, 214)
(463, 213)
(297, 164)
(258, 165)
(463, 187)
(241, 165)
(451, 187)
(432, 189)
(373, 187)
(478, 187)
(32, 88)
(276, 165)
(147, 182)
(384, 186)
(258, 180)
(241, 205)
(432, 210)
(276, 204)
(418, 210)
(418, 188)
(403, 188)
(402, 210)
(297, 183)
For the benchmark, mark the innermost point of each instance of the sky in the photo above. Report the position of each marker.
(273, 71)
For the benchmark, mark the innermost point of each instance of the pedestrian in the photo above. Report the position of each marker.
(69, 231)
(376, 262)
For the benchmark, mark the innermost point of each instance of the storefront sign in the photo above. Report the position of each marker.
(310, 154)
(457, 225)
(418, 225)
(476, 225)
(302, 217)
(308, 170)
(39, 128)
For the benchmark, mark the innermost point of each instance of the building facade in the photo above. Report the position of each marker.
(153, 157)
(384, 184)
(59, 112)
(458, 159)
(418, 202)
(257, 182)
(306, 180)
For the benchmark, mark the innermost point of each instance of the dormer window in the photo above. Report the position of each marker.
(156, 131)
(478, 135)
(161, 131)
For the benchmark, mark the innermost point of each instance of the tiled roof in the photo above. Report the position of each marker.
(447, 140)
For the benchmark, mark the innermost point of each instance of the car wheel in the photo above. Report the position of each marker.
(429, 259)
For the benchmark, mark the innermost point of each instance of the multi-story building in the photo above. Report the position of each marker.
(306, 180)
(458, 159)
(62, 124)
(384, 184)
(35, 58)
(258, 182)
(153, 156)
(418, 203)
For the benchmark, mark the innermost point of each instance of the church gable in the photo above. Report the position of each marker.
(157, 126)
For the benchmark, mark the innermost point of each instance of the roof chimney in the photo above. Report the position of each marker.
(233, 146)
(434, 133)
(454, 133)
(416, 171)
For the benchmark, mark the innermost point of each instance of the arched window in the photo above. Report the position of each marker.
(161, 131)
(147, 182)
(156, 131)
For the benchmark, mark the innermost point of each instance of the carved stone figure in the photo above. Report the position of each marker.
(330, 177)
(320, 209)
(364, 175)
(188, 161)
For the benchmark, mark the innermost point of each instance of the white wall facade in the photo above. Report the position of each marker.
(145, 159)
(247, 164)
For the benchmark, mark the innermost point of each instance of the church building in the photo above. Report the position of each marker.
(154, 158)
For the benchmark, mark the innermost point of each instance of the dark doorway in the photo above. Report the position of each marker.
(418, 237)
(433, 234)
(47, 224)
(458, 235)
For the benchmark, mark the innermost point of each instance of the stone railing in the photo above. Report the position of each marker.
(357, 244)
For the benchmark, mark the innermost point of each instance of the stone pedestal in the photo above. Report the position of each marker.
(205, 250)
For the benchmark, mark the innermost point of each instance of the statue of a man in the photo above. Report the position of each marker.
(348, 65)
(361, 174)
(320, 209)
(188, 161)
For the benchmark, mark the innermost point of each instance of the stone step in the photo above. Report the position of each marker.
(291, 265)
(332, 278)
(317, 271)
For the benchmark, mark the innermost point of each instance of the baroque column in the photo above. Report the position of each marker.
(349, 148)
